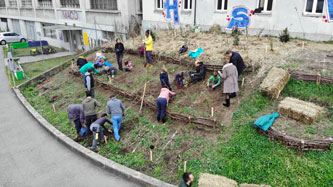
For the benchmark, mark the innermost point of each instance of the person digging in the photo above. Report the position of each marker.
(76, 115)
(98, 134)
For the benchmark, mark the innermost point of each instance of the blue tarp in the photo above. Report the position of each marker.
(37, 43)
(264, 122)
(196, 53)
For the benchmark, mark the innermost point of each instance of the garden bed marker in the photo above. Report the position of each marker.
(54, 109)
(212, 112)
(243, 80)
(150, 155)
(185, 166)
(318, 78)
(303, 46)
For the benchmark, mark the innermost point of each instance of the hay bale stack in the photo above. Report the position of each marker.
(209, 180)
(274, 82)
(299, 110)
(254, 185)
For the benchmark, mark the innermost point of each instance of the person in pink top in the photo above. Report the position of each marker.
(162, 102)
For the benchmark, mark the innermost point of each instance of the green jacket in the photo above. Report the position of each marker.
(212, 78)
(84, 69)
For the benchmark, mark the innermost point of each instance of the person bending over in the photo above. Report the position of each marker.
(97, 131)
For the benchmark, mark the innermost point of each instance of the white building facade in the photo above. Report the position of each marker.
(308, 19)
(86, 23)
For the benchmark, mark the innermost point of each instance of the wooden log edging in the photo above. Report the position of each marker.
(300, 75)
(183, 62)
(204, 122)
(299, 144)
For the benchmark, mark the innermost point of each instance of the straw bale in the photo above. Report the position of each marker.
(299, 110)
(274, 82)
(254, 185)
(209, 180)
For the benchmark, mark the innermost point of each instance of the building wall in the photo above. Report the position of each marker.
(116, 21)
(284, 14)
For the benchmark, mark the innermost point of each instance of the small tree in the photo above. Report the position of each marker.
(284, 36)
(235, 33)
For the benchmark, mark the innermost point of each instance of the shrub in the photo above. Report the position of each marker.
(284, 36)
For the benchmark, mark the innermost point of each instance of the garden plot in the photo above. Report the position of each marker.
(196, 100)
(321, 96)
(313, 58)
(137, 133)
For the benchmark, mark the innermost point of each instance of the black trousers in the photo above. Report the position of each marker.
(120, 61)
(89, 121)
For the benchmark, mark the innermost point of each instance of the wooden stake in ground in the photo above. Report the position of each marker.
(303, 46)
(318, 78)
(243, 80)
(142, 99)
(106, 139)
(185, 166)
(72, 64)
(150, 155)
(110, 80)
(212, 112)
(54, 109)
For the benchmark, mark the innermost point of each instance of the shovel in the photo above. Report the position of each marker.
(143, 96)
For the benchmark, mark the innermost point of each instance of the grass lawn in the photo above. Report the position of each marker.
(36, 68)
(246, 156)
(26, 51)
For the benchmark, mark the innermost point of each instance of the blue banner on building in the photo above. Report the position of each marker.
(330, 10)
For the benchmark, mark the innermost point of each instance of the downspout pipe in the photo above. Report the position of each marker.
(195, 13)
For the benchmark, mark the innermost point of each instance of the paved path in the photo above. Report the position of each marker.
(28, 59)
(30, 156)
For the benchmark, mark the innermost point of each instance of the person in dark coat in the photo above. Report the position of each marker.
(199, 74)
(75, 114)
(119, 47)
(237, 60)
(164, 78)
(96, 129)
(81, 61)
(187, 180)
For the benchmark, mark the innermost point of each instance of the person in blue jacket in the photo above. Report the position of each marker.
(164, 78)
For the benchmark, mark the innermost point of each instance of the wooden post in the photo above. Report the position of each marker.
(106, 139)
(318, 78)
(212, 112)
(185, 166)
(110, 81)
(151, 155)
(243, 80)
(72, 64)
(303, 46)
(54, 109)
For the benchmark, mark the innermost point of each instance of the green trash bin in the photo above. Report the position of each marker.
(19, 75)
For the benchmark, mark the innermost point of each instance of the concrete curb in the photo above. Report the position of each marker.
(114, 167)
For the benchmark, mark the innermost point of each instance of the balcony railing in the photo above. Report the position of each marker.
(45, 4)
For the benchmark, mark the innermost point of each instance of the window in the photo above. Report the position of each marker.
(26, 3)
(159, 4)
(187, 4)
(221, 5)
(2, 3)
(107, 35)
(314, 6)
(12, 3)
(265, 5)
(50, 33)
(103, 4)
(45, 3)
(70, 3)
